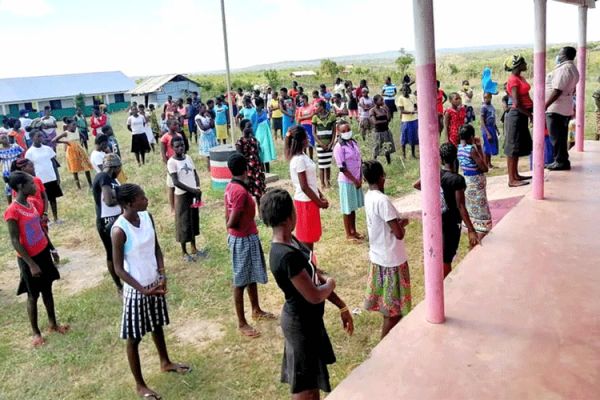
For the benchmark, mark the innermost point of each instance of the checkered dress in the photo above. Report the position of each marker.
(248, 260)
(141, 313)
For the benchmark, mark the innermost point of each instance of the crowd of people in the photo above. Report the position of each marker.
(321, 125)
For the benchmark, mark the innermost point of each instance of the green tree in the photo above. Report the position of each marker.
(404, 61)
(80, 101)
(453, 69)
(272, 77)
(330, 68)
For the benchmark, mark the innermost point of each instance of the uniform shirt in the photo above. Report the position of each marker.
(348, 156)
(564, 78)
(137, 124)
(276, 111)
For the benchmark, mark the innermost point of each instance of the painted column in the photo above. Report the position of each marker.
(539, 98)
(3, 109)
(581, 66)
(228, 73)
(429, 160)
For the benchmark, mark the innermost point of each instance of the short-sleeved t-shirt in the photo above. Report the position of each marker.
(237, 197)
(286, 262)
(523, 88)
(185, 172)
(302, 112)
(166, 140)
(41, 157)
(389, 91)
(221, 114)
(440, 101)
(451, 183)
(488, 114)
(385, 249)
(97, 159)
(348, 156)
(138, 124)
(36, 200)
(409, 106)
(564, 78)
(303, 163)
(31, 235)
(103, 210)
(276, 111)
(365, 105)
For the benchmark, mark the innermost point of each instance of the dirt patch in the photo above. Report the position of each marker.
(79, 269)
(199, 333)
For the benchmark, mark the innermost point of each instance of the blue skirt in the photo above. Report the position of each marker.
(351, 198)
(309, 133)
(287, 123)
(490, 147)
(248, 260)
(410, 133)
(208, 140)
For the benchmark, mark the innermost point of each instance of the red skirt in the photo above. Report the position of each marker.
(308, 221)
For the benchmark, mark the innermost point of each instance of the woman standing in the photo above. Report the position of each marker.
(48, 126)
(208, 138)
(82, 127)
(307, 197)
(248, 146)
(139, 263)
(380, 120)
(474, 165)
(307, 349)
(77, 158)
(324, 131)
(287, 105)
(352, 100)
(38, 271)
(98, 120)
(348, 160)
(304, 115)
(518, 138)
(136, 124)
(263, 136)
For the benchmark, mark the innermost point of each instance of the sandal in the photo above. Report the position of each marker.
(249, 332)
(188, 258)
(520, 183)
(179, 369)
(265, 316)
(38, 341)
(62, 329)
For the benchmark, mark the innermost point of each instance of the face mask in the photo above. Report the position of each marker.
(346, 135)
(557, 60)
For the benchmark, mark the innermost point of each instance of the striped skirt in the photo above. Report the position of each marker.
(141, 313)
(324, 156)
(477, 203)
(248, 260)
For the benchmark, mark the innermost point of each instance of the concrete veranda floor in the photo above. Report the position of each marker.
(523, 310)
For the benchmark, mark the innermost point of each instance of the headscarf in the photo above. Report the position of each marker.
(487, 84)
(513, 62)
(111, 161)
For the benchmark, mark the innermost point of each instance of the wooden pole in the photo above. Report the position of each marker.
(581, 66)
(429, 159)
(228, 73)
(539, 98)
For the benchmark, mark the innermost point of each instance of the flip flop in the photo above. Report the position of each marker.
(267, 316)
(180, 369)
(521, 183)
(38, 341)
(152, 396)
(250, 333)
(524, 178)
(62, 329)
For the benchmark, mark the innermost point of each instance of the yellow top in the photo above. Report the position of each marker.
(276, 110)
(409, 105)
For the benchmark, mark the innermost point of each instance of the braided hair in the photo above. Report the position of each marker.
(127, 193)
(448, 153)
(16, 179)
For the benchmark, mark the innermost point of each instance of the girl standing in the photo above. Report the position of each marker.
(454, 118)
(248, 146)
(8, 154)
(409, 132)
(324, 130)
(264, 136)
(287, 106)
(304, 114)
(139, 262)
(43, 161)
(77, 158)
(147, 127)
(348, 160)
(307, 349)
(208, 139)
(82, 127)
(380, 120)
(474, 166)
(489, 130)
(388, 289)
(17, 135)
(98, 120)
(48, 126)
(339, 107)
(187, 192)
(352, 101)
(136, 124)
(35, 262)
(307, 197)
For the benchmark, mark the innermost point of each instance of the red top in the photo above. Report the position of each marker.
(237, 197)
(97, 123)
(457, 120)
(523, 89)
(166, 140)
(19, 137)
(36, 200)
(440, 101)
(359, 92)
(293, 93)
(31, 235)
(303, 112)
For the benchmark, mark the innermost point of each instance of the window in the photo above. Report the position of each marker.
(98, 100)
(119, 98)
(55, 105)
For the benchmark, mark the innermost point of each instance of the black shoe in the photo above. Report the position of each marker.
(559, 167)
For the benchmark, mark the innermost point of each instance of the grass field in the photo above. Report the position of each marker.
(90, 361)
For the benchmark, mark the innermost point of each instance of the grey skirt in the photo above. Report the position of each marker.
(383, 143)
(518, 138)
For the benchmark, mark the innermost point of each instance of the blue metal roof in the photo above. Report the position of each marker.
(19, 90)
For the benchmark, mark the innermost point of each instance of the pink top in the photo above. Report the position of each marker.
(348, 156)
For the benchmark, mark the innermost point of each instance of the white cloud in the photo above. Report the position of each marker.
(30, 8)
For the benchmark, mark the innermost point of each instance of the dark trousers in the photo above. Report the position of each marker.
(558, 128)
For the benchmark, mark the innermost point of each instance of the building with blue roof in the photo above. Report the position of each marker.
(59, 92)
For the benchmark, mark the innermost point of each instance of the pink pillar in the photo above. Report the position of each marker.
(581, 66)
(539, 98)
(429, 159)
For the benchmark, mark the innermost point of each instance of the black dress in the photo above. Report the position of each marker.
(307, 350)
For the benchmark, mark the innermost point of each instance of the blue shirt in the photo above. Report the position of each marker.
(389, 91)
(468, 165)
(221, 114)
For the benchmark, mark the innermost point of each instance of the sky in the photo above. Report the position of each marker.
(154, 37)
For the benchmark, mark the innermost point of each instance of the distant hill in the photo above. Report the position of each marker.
(364, 58)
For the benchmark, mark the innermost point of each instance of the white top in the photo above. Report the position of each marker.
(185, 172)
(139, 259)
(384, 248)
(41, 157)
(25, 123)
(137, 124)
(47, 121)
(564, 78)
(97, 158)
(302, 163)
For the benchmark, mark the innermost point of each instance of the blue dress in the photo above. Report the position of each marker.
(262, 133)
(250, 114)
(488, 117)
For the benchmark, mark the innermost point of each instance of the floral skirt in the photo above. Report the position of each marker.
(388, 290)
(477, 203)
